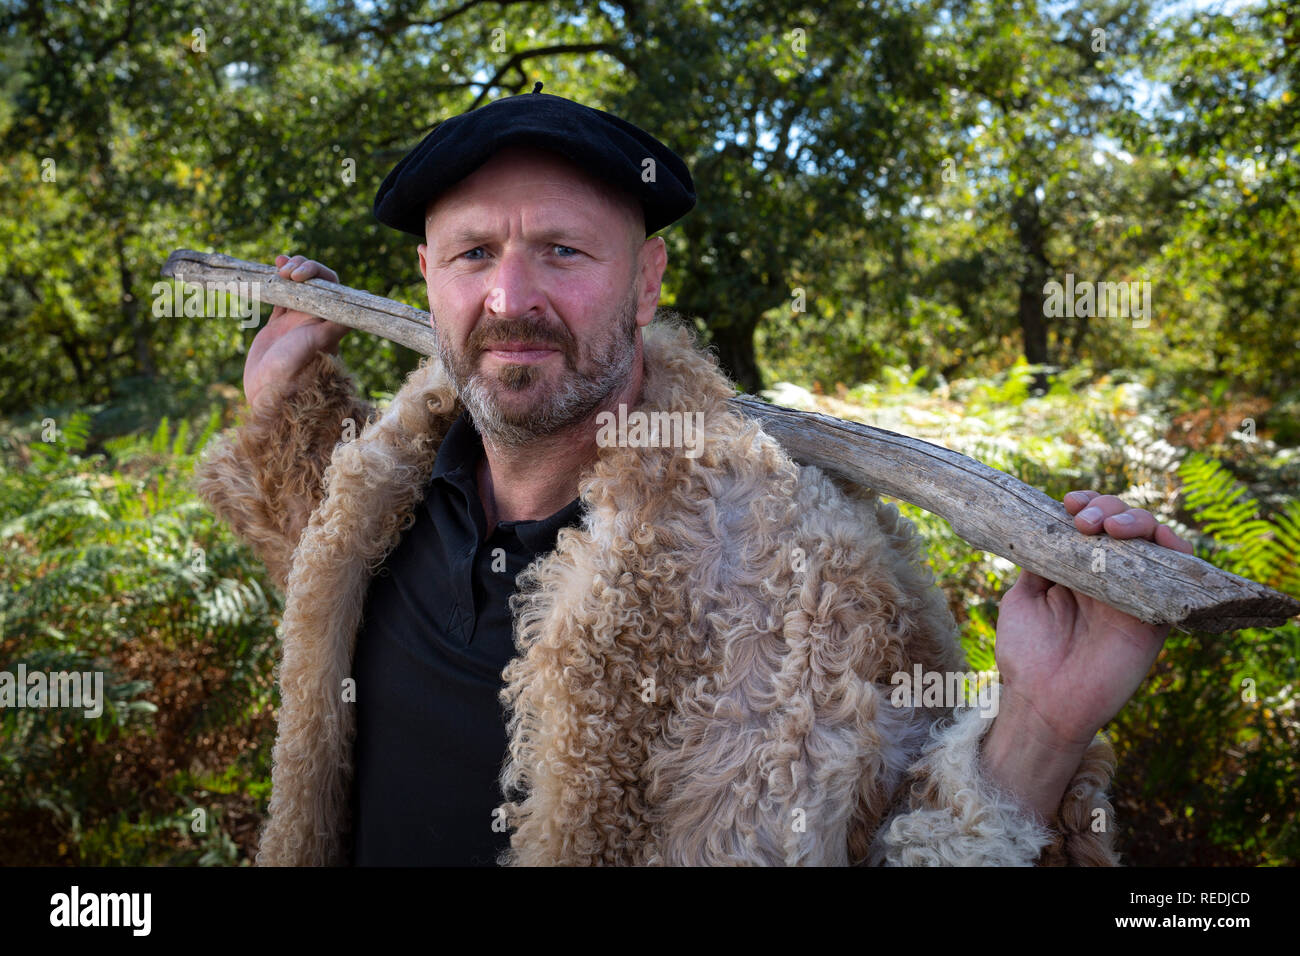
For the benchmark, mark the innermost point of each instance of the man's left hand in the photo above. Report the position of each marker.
(1068, 662)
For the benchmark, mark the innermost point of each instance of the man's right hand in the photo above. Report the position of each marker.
(289, 340)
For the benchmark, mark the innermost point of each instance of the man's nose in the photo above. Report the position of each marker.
(513, 289)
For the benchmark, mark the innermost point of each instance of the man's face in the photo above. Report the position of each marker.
(539, 279)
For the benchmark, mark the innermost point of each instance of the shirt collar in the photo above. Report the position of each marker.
(457, 463)
(460, 450)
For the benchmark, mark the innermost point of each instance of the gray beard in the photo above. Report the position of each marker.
(574, 398)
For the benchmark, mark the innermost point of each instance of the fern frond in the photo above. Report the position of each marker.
(1243, 541)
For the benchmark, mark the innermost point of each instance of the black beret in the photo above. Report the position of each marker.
(605, 146)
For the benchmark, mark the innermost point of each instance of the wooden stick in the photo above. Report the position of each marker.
(329, 300)
(992, 510)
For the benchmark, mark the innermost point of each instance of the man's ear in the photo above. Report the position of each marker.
(652, 259)
(423, 251)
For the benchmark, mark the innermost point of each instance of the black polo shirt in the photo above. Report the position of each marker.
(435, 634)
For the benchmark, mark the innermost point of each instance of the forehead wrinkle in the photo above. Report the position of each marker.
(543, 169)
(549, 187)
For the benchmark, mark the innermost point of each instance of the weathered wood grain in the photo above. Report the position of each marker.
(329, 300)
(998, 513)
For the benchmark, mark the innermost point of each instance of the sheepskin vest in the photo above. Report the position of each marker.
(703, 666)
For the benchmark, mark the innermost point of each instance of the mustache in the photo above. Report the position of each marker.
(524, 331)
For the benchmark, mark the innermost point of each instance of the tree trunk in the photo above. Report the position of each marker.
(1033, 276)
(735, 346)
(141, 333)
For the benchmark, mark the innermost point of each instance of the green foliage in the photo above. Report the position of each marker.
(883, 190)
(110, 565)
(915, 171)
(1102, 434)
(1215, 730)
(1263, 549)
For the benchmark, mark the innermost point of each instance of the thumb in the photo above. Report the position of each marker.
(1031, 585)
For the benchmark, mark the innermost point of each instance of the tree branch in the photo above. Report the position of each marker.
(993, 511)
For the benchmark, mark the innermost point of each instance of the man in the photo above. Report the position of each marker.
(695, 646)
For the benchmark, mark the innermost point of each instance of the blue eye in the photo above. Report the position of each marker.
(475, 249)
(570, 248)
